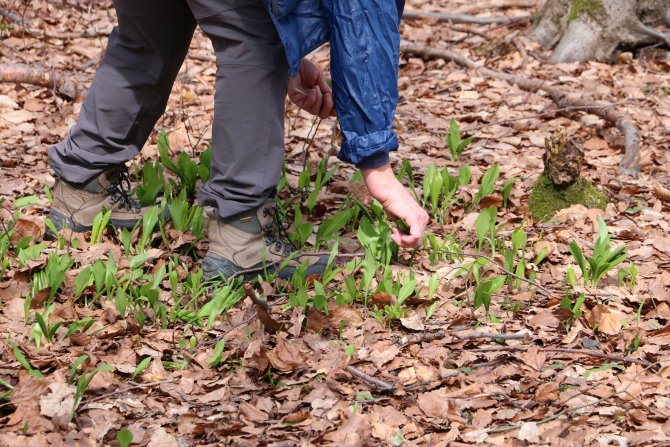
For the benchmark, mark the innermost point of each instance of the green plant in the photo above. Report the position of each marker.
(149, 221)
(186, 217)
(185, 168)
(487, 184)
(49, 280)
(141, 367)
(454, 141)
(574, 308)
(440, 188)
(83, 383)
(124, 437)
(303, 230)
(100, 222)
(603, 258)
(321, 178)
(329, 228)
(486, 228)
(18, 355)
(153, 183)
(507, 190)
(628, 275)
(215, 361)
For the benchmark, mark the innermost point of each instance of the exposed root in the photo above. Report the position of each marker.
(630, 163)
(463, 18)
(60, 83)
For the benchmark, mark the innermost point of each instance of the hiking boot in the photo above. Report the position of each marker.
(254, 242)
(76, 205)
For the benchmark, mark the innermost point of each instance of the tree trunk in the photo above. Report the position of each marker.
(581, 30)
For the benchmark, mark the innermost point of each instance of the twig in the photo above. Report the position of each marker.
(431, 336)
(630, 163)
(133, 387)
(25, 74)
(445, 376)
(540, 115)
(251, 294)
(410, 14)
(379, 384)
(587, 352)
(13, 17)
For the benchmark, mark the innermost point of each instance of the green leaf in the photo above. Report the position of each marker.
(579, 257)
(164, 151)
(332, 225)
(141, 367)
(124, 437)
(75, 365)
(507, 190)
(488, 182)
(464, 175)
(25, 201)
(18, 355)
(218, 353)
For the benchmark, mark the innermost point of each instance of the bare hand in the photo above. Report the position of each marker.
(310, 91)
(398, 203)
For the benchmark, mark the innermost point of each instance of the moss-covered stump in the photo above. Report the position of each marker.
(546, 199)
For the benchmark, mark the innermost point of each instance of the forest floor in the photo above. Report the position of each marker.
(541, 366)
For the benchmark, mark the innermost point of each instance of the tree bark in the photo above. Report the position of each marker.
(581, 30)
(24, 74)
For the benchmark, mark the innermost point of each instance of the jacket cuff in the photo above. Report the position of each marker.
(368, 151)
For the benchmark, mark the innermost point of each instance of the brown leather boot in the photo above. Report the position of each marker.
(254, 241)
(76, 205)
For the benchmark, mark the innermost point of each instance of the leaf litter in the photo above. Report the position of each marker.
(344, 377)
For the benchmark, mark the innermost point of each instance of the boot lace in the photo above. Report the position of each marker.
(120, 190)
(276, 232)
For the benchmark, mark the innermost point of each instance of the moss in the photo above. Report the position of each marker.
(546, 199)
(593, 8)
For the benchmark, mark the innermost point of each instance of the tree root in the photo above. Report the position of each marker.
(463, 18)
(586, 352)
(630, 163)
(60, 83)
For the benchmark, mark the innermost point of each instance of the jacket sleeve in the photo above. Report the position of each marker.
(365, 46)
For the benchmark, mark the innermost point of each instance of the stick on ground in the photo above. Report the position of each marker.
(630, 163)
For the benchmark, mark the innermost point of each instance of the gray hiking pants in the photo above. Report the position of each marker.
(131, 88)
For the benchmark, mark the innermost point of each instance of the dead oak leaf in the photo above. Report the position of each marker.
(434, 404)
(28, 227)
(534, 357)
(286, 356)
(383, 352)
(58, 403)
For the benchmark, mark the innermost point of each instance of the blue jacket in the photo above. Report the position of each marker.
(365, 45)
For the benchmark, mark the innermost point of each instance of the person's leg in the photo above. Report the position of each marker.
(128, 95)
(247, 141)
(130, 89)
(248, 128)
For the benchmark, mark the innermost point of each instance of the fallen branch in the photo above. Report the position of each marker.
(586, 352)
(24, 74)
(630, 164)
(131, 388)
(431, 336)
(13, 17)
(462, 18)
(379, 384)
(262, 310)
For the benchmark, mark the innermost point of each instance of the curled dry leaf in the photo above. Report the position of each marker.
(28, 227)
(662, 192)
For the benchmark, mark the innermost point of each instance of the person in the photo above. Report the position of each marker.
(260, 48)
